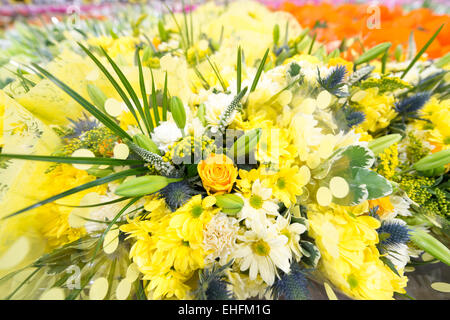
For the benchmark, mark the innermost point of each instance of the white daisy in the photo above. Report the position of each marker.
(262, 252)
(258, 206)
(292, 231)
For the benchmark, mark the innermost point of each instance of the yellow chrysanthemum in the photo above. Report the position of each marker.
(55, 218)
(438, 131)
(287, 183)
(350, 258)
(191, 218)
(379, 109)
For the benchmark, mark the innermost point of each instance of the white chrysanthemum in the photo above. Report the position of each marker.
(166, 134)
(258, 206)
(292, 231)
(215, 104)
(263, 251)
(219, 236)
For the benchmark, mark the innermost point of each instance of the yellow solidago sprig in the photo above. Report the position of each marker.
(388, 161)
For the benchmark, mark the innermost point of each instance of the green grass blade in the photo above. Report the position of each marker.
(103, 118)
(112, 80)
(165, 101)
(113, 221)
(126, 84)
(154, 102)
(259, 71)
(77, 160)
(239, 70)
(91, 184)
(217, 73)
(421, 52)
(144, 95)
(312, 43)
(97, 204)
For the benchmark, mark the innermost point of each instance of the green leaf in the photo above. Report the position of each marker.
(77, 160)
(352, 156)
(144, 114)
(239, 70)
(229, 203)
(111, 78)
(389, 263)
(311, 254)
(377, 185)
(246, 143)
(97, 204)
(421, 52)
(373, 53)
(165, 102)
(88, 185)
(259, 71)
(125, 83)
(113, 221)
(103, 118)
(153, 100)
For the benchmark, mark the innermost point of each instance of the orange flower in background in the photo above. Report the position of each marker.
(332, 24)
(218, 174)
(384, 206)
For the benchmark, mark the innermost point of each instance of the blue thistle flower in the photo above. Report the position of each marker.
(393, 233)
(354, 117)
(81, 126)
(334, 81)
(212, 284)
(292, 285)
(177, 194)
(413, 104)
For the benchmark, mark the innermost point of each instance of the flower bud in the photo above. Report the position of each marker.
(431, 245)
(141, 186)
(380, 144)
(146, 143)
(97, 96)
(246, 143)
(229, 203)
(433, 161)
(178, 112)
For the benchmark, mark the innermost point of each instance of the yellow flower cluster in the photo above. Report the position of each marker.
(438, 129)
(347, 242)
(378, 108)
(388, 161)
(168, 247)
(54, 217)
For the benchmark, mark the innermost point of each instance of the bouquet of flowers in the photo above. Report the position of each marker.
(220, 153)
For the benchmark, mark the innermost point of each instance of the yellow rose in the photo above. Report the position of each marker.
(218, 174)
